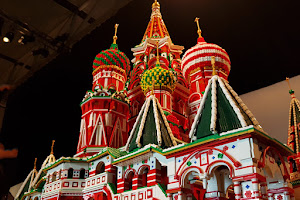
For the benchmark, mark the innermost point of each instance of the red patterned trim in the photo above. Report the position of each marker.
(263, 163)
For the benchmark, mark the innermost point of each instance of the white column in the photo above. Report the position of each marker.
(287, 195)
(180, 195)
(263, 189)
(170, 196)
(237, 190)
(255, 187)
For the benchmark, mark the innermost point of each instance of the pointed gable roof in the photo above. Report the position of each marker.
(220, 110)
(151, 127)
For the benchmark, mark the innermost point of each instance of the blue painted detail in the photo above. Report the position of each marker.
(247, 186)
(152, 161)
(195, 162)
(233, 146)
(152, 166)
(213, 157)
(179, 161)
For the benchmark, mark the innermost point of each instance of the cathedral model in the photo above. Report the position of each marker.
(168, 127)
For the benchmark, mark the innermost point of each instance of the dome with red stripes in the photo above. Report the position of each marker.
(112, 57)
(200, 55)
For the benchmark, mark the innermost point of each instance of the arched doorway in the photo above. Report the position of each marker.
(128, 180)
(220, 180)
(192, 186)
(143, 177)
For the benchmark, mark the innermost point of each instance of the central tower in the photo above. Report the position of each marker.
(157, 45)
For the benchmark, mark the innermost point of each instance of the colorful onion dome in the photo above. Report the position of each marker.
(112, 57)
(199, 56)
(161, 78)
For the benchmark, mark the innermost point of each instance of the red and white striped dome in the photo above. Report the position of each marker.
(199, 56)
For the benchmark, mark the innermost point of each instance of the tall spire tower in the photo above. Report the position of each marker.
(157, 48)
(105, 108)
(294, 121)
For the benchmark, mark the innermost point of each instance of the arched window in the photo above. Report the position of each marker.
(128, 181)
(82, 173)
(54, 176)
(144, 177)
(100, 168)
(70, 173)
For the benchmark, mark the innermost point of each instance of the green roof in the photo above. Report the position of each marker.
(221, 110)
(151, 127)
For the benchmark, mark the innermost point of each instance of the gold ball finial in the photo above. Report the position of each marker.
(155, 4)
(213, 62)
(199, 30)
(115, 36)
(52, 146)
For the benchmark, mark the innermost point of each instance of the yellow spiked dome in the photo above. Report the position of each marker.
(161, 78)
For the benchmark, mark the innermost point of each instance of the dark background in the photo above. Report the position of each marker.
(261, 38)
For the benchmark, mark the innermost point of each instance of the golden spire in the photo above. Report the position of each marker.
(155, 4)
(199, 30)
(157, 56)
(213, 61)
(288, 81)
(115, 36)
(34, 165)
(291, 91)
(52, 146)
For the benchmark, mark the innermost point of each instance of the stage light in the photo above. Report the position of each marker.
(24, 39)
(9, 36)
(42, 51)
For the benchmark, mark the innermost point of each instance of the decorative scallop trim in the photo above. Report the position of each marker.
(213, 118)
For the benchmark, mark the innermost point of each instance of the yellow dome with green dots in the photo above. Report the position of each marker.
(160, 77)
